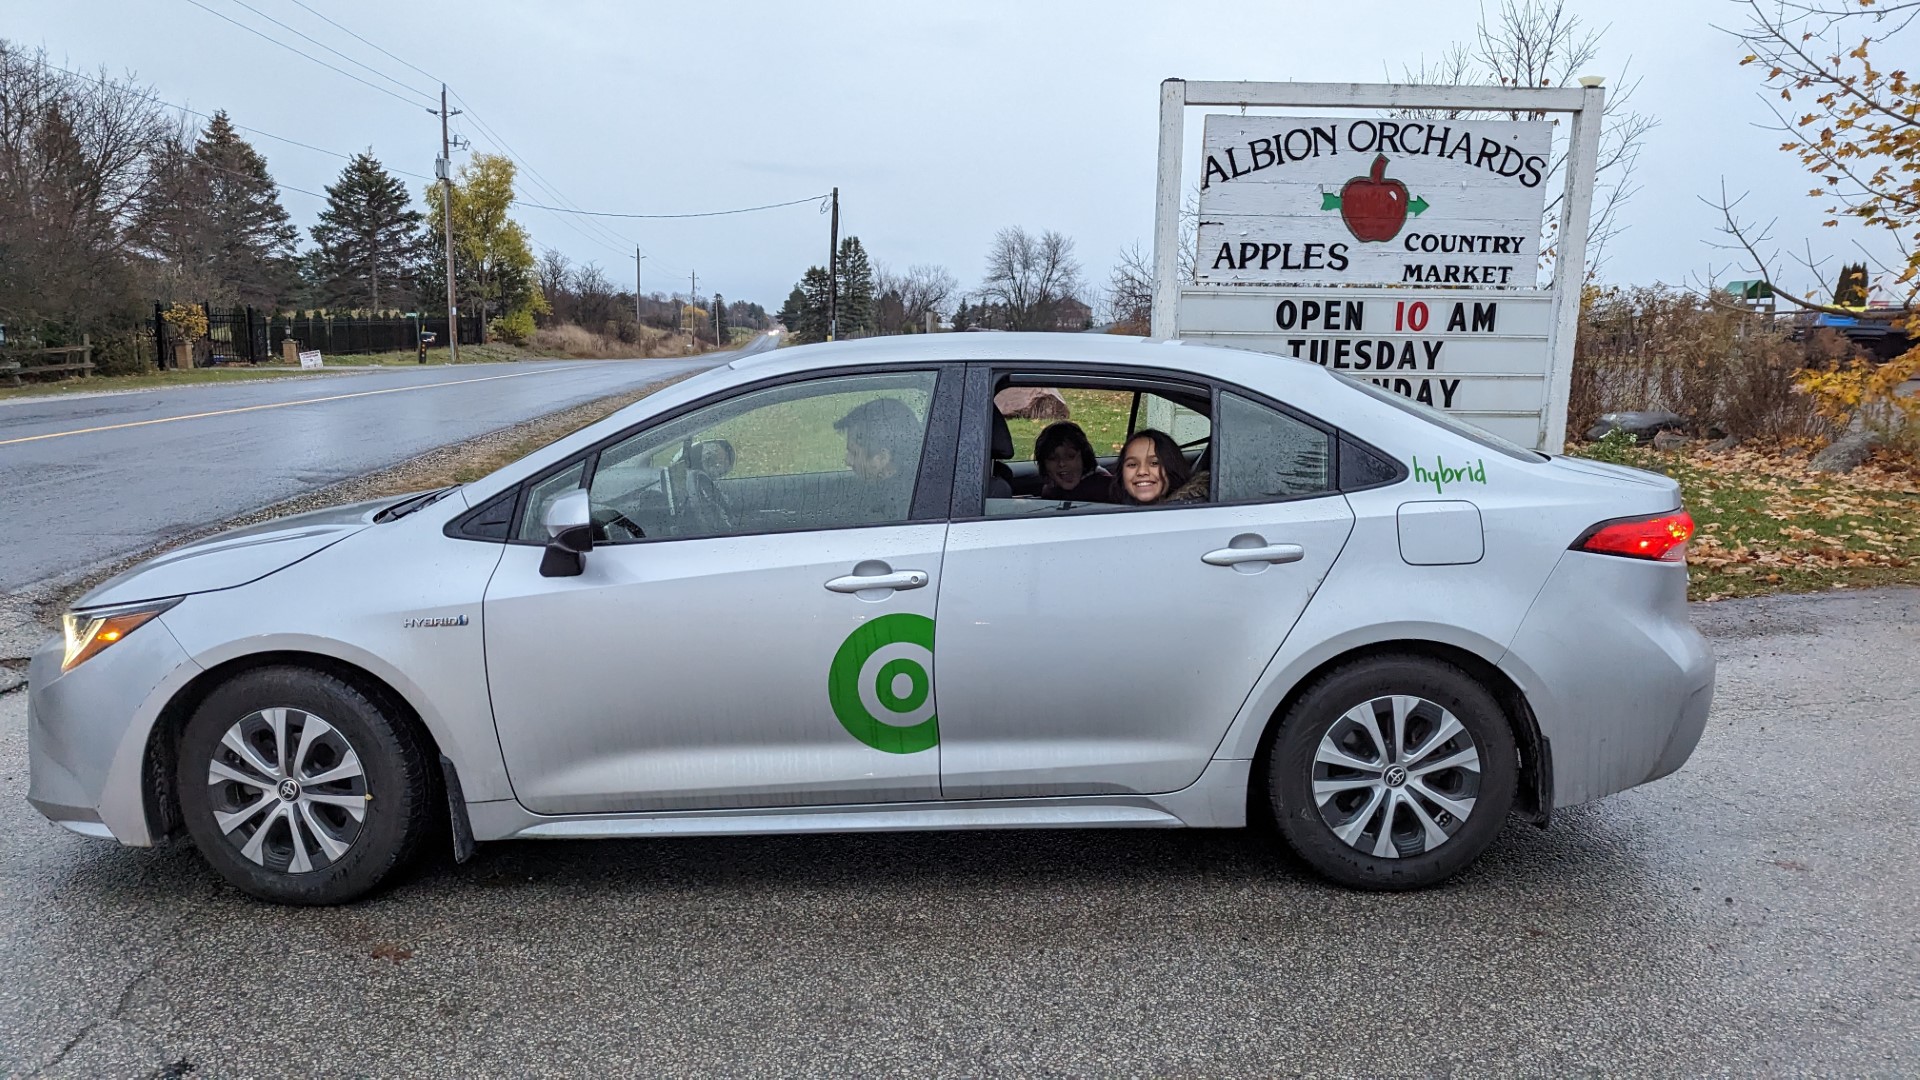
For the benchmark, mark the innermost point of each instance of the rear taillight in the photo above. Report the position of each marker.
(1662, 537)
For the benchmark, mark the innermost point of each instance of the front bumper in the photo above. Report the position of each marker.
(1619, 680)
(87, 731)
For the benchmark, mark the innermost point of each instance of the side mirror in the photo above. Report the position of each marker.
(569, 535)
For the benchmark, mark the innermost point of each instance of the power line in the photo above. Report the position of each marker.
(707, 213)
(367, 43)
(329, 48)
(242, 127)
(291, 49)
(539, 180)
(487, 130)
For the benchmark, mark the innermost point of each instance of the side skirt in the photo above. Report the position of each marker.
(1217, 800)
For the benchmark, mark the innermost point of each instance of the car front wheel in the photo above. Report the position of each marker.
(300, 789)
(1393, 773)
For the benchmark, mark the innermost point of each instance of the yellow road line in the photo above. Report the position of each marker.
(257, 408)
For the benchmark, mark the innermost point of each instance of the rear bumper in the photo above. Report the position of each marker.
(1618, 678)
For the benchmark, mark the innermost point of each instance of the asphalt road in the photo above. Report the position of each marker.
(89, 479)
(1754, 914)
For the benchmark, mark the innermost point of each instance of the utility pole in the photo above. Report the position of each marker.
(636, 286)
(444, 167)
(693, 298)
(833, 271)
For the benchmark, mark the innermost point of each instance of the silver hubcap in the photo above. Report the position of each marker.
(1396, 776)
(287, 789)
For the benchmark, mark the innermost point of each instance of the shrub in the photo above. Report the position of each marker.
(515, 327)
(1723, 368)
(569, 340)
(123, 354)
(1858, 390)
(188, 320)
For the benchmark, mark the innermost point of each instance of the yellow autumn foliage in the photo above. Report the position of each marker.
(1862, 390)
(188, 320)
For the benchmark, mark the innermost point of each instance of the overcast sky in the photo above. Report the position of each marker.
(940, 123)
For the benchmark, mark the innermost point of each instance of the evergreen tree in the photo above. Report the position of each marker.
(856, 290)
(813, 310)
(719, 310)
(219, 228)
(369, 239)
(790, 312)
(962, 315)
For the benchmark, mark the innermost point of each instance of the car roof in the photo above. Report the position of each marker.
(955, 347)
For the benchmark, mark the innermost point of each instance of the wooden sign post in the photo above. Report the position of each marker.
(1397, 248)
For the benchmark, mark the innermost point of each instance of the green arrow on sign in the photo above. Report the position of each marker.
(1418, 204)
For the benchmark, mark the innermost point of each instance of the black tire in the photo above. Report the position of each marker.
(1320, 713)
(396, 788)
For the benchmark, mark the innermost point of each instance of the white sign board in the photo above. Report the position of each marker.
(1478, 355)
(310, 359)
(1383, 244)
(1372, 200)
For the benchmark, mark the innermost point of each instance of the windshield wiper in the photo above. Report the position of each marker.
(407, 506)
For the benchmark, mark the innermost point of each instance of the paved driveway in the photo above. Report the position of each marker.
(1754, 913)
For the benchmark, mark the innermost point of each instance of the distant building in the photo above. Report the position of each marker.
(1071, 315)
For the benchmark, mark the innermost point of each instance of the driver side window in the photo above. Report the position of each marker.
(829, 453)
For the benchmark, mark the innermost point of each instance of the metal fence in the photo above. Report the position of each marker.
(243, 335)
(346, 335)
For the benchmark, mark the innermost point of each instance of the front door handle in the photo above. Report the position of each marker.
(859, 583)
(1265, 553)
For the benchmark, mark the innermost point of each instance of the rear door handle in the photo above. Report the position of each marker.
(859, 583)
(1267, 553)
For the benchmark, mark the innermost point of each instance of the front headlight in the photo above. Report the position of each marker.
(89, 632)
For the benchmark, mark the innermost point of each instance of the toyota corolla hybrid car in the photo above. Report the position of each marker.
(825, 589)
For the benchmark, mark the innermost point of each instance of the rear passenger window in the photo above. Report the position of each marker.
(1263, 453)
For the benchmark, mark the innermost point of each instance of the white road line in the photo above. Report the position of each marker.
(275, 405)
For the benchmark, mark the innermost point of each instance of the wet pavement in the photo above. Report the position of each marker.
(88, 478)
(1755, 913)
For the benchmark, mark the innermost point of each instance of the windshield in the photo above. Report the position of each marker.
(1442, 419)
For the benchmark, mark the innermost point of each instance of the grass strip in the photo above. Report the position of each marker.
(1769, 524)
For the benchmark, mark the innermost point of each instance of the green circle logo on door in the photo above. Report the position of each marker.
(881, 684)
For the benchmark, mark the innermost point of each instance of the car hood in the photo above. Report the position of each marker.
(237, 557)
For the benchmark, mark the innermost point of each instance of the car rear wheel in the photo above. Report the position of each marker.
(1392, 773)
(300, 789)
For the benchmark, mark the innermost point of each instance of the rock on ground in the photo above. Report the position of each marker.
(1641, 425)
(1846, 453)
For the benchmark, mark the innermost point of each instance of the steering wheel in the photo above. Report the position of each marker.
(710, 508)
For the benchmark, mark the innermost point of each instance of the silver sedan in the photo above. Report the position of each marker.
(826, 588)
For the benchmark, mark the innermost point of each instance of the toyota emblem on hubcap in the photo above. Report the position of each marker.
(289, 789)
(1396, 776)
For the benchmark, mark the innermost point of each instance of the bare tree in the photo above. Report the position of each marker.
(73, 174)
(555, 277)
(1855, 127)
(1540, 43)
(594, 297)
(1130, 291)
(902, 299)
(926, 287)
(1028, 276)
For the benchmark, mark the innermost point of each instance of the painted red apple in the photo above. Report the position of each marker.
(1373, 206)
